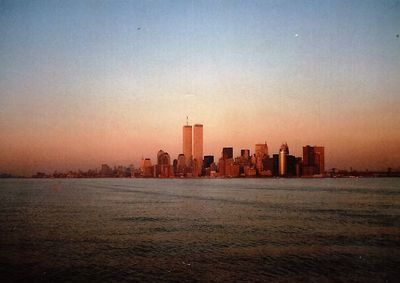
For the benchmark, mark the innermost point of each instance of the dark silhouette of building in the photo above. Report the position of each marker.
(227, 152)
(245, 153)
(163, 169)
(291, 166)
(105, 171)
(275, 165)
(208, 160)
(313, 160)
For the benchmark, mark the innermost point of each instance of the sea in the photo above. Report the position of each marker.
(200, 230)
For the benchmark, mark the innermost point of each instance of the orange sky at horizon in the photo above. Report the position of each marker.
(81, 84)
(87, 147)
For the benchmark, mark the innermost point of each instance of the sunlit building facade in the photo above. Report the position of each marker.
(260, 154)
(163, 169)
(283, 153)
(147, 169)
(187, 142)
(261, 150)
(198, 144)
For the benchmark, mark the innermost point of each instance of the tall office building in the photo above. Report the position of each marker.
(181, 165)
(208, 160)
(245, 153)
(319, 155)
(260, 152)
(227, 152)
(283, 153)
(163, 169)
(313, 160)
(198, 144)
(187, 142)
(261, 149)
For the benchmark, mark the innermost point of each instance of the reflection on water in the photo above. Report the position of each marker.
(200, 230)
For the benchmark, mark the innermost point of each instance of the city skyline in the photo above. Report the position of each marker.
(84, 83)
(191, 163)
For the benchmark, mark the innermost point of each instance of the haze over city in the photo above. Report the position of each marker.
(87, 82)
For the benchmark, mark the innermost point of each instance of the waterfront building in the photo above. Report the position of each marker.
(213, 169)
(131, 170)
(299, 165)
(260, 153)
(208, 160)
(245, 153)
(231, 168)
(163, 169)
(163, 158)
(187, 142)
(175, 165)
(261, 150)
(283, 153)
(106, 171)
(227, 152)
(291, 165)
(198, 144)
(147, 168)
(249, 171)
(268, 166)
(221, 166)
(181, 165)
(313, 160)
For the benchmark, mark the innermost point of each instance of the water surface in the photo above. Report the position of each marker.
(226, 230)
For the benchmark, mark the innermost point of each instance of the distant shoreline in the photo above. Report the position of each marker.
(394, 175)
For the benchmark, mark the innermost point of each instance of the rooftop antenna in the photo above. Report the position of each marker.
(187, 121)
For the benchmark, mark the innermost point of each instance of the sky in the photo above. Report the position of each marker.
(89, 82)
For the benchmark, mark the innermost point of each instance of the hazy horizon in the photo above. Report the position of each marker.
(89, 82)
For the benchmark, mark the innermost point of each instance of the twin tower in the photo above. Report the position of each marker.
(194, 152)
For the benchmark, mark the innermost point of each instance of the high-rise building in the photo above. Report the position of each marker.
(291, 166)
(313, 160)
(245, 153)
(227, 152)
(198, 144)
(243, 160)
(181, 165)
(261, 149)
(260, 153)
(283, 153)
(208, 160)
(163, 168)
(187, 141)
(275, 165)
(319, 155)
(163, 158)
(147, 168)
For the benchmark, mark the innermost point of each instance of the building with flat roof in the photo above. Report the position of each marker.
(313, 160)
(198, 144)
(227, 152)
(283, 153)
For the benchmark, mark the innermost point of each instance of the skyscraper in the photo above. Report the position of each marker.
(198, 144)
(283, 153)
(227, 152)
(187, 142)
(245, 153)
(208, 159)
(313, 160)
(261, 152)
(319, 155)
(261, 149)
